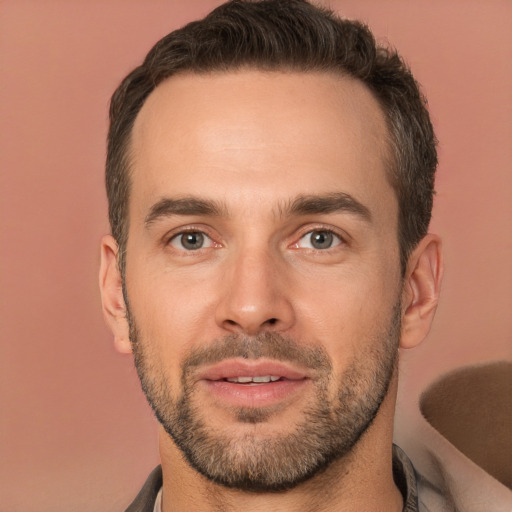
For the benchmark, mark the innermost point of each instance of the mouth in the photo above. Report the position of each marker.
(263, 379)
(252, 384)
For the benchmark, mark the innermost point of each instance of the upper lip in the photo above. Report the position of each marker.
(233, 368)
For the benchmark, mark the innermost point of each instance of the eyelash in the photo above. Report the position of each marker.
(340, 239)
(191, 230)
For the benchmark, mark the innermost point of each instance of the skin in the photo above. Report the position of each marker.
(252, 143)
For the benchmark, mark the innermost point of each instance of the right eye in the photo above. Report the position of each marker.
(191, 241)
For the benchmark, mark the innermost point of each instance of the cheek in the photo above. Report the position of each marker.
(173, 310)
(345, 313)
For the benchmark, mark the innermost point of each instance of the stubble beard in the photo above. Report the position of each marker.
(329, 430)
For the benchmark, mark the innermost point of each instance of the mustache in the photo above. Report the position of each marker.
(270, 345)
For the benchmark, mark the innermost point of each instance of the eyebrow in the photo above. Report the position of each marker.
(301, 205)
(328, 203)
(168, 207)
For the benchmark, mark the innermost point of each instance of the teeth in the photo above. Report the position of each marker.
(258, 379)
(266, 378)
(244, 380)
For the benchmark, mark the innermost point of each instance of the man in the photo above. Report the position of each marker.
(270, 175)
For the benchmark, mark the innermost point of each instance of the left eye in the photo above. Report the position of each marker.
(319, 239)
(191, 241)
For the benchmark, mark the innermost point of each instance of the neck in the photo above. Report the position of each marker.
(361, 480)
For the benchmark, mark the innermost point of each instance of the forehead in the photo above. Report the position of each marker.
(259, 133)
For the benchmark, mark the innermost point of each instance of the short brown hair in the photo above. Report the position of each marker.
(286, 35)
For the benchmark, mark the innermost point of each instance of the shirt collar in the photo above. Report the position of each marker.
(405, 479)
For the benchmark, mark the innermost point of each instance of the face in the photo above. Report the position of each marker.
(262, 270)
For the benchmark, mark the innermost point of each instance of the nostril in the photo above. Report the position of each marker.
(245, 325)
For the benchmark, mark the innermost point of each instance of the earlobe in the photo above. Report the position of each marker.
(421, 290)
(111, 288)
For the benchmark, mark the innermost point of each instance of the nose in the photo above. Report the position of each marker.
(253, 295)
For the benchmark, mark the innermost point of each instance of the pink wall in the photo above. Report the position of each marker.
(75, 431)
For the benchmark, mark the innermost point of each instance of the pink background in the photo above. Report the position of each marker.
(75, 432)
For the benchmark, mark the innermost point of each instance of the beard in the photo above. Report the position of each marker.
(330, 427)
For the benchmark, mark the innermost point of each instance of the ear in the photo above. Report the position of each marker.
(111, 288)
(420, 294)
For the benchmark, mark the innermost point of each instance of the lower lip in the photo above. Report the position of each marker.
(254, 395)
